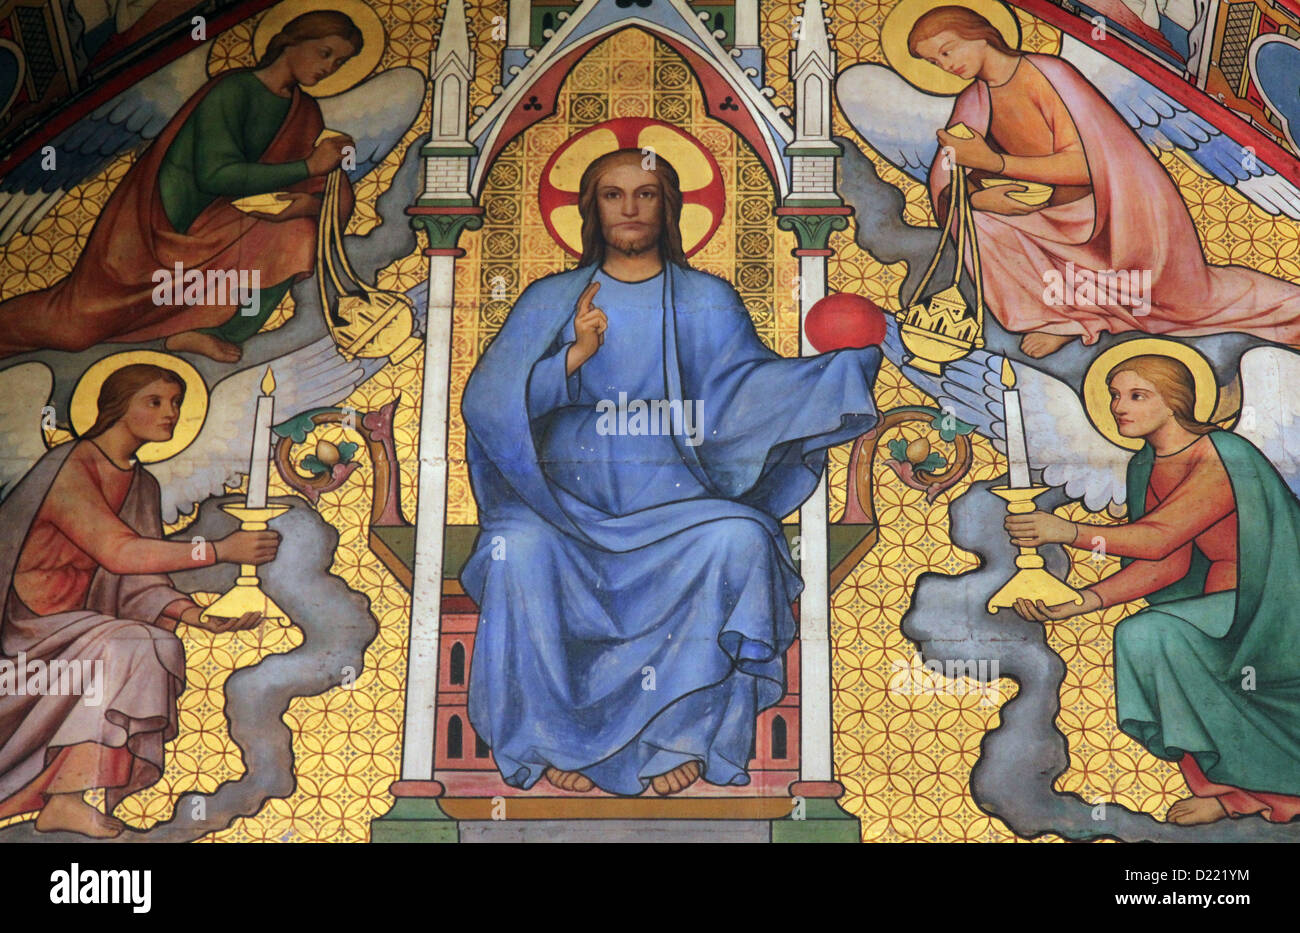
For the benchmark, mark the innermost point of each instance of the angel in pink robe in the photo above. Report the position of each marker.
(90, 670)
(1114, 248)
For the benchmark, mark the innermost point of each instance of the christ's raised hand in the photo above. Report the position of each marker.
(589, 324)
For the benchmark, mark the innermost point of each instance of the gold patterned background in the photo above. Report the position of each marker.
(904, 757)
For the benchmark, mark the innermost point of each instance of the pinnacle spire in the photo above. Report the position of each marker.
(813, 42)
(453, 37)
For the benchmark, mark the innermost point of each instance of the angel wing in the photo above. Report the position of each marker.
(899, 123)
(1167, 125)
(376, 113)
(125, 123)
(315, 376)
(895, 118)
(1270, 408)
(1062, 442)
(24, 390)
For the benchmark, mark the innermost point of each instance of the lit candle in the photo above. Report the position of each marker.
(1017, 453)
(259, 465)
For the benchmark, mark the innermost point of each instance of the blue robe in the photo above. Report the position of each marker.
(635, 589)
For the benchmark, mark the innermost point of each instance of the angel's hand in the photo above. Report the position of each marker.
(218, 624)
(972, 152)
(329, 154)
(1038, 528)
(1038, 611)
(301, 204)
(998, 200)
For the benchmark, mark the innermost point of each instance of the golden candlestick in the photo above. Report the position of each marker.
(246, 595)
(1031, 581)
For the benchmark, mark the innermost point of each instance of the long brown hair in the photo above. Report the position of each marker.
(670, 191)
(120, 387)
(966, 23)
(1173, 380)
(318, 24)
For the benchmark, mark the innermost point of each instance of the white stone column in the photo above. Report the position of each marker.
(747, 23)
(518, 23)
(815, 760)
(430, 521)
(1201, 40)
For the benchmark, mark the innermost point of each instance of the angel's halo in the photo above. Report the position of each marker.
(84, 407)
(921, 74)
(351, 71)
(1096, 393)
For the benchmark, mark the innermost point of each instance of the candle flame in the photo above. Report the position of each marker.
(1008, 374)
(268, 382)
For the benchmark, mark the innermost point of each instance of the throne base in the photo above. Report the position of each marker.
(710, 814)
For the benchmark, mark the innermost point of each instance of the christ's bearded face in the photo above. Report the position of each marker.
(955, 55)
(1139, 409)
(154, 411)
(631, 208)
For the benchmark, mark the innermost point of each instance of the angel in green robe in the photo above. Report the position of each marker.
(245, 132)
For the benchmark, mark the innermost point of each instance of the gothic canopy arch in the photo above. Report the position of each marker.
(728, 90)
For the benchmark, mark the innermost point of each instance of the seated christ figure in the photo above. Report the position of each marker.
(633, 446)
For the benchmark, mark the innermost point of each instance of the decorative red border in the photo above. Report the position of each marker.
(121, 81)
(416, 789)
(1196, 100)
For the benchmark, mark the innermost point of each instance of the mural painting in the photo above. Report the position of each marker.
(613, 421)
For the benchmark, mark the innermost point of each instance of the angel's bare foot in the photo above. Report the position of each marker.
(1040, 345)
(70, 813)
(214, 348)
(569, 780)
(1194, 810)
(676, 780)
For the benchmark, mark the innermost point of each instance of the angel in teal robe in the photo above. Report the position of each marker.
(1208, 675)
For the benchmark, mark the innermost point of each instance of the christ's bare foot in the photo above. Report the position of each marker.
(1194, 810)
(214, 348)
(569, 780)
(676, 780)
(1040, 345)
(70, 813)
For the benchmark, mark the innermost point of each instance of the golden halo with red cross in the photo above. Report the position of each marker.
(703, 195)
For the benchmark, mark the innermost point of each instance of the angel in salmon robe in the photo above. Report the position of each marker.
(245, 132)
(1113, 210)
(83, 580)
(1206, 675)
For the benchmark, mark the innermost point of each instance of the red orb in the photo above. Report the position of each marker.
(841, 321)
